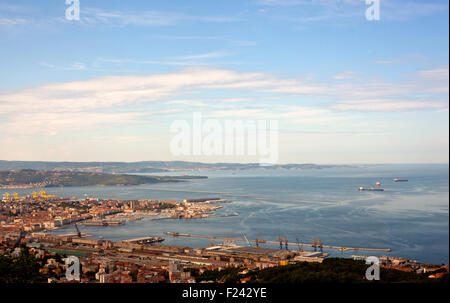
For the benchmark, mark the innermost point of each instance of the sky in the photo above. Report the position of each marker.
(109, 86)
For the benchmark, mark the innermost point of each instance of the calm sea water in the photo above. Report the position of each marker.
(411, 218)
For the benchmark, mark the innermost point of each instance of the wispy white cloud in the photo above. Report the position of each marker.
(46, 64)
(385, 61)
(54, 123)
(210, 55)
(407, 58)
(77, 66)
(319, 10)
(347, 75)
(114, 100)
(388, 105)
(407, 10)
(101, 60)
(147, 18)
(11, 21)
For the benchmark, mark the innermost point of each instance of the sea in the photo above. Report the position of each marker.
(411, 218)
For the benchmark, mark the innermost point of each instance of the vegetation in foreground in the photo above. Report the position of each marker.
(20, 267)
(332, 270)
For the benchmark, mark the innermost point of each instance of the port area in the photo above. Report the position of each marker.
(370, 189)
(103, 223)
(145, 240)
(41, 212)
(148, 252)
(282, 242)
(111, 261)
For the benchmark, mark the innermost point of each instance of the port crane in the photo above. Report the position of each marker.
(247, 240)
(78, 230)
(300, 247)
(6, 197)
(285, 242)
(279, 241)
(258, 240)
(319, 245)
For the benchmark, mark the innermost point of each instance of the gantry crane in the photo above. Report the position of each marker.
(258, 240)
(78, 230)
(248, 242)
(300, 248)
(281, 243)
(43, 194)
(320, 245)
(6, 197)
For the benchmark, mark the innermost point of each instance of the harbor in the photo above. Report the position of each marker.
(145, 240)
(370, 189)
(103, 223)
(315, 245)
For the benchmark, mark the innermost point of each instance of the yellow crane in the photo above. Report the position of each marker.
(6, 197)
(320, 245)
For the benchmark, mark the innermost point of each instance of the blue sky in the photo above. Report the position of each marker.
(107, 87)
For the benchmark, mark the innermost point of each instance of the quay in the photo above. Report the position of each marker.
(145, 240)
(314, 244)
(103, 223)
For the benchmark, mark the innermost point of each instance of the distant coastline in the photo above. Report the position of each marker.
(153, 166)
(28, 178)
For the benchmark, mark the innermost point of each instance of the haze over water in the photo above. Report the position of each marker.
(411, 218)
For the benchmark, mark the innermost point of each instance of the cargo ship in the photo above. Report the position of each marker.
(400, 180)
(370, 189)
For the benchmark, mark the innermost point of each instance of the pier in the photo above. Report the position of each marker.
(145, 240)
(313, 245)
(248, 196)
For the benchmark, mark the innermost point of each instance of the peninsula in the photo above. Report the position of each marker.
(28, 178)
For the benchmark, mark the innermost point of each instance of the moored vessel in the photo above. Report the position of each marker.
(370, 189)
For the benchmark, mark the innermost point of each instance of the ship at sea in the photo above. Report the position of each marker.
(370, 189)
(400, 180)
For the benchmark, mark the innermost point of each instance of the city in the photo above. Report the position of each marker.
(27, 222)
(224, 151)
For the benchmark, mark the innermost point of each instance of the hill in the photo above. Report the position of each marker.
(148, 166)
(39, 178)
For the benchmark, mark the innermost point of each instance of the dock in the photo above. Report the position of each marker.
(370, 189)
(145, 240)
(103, 223)
(313, 245)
